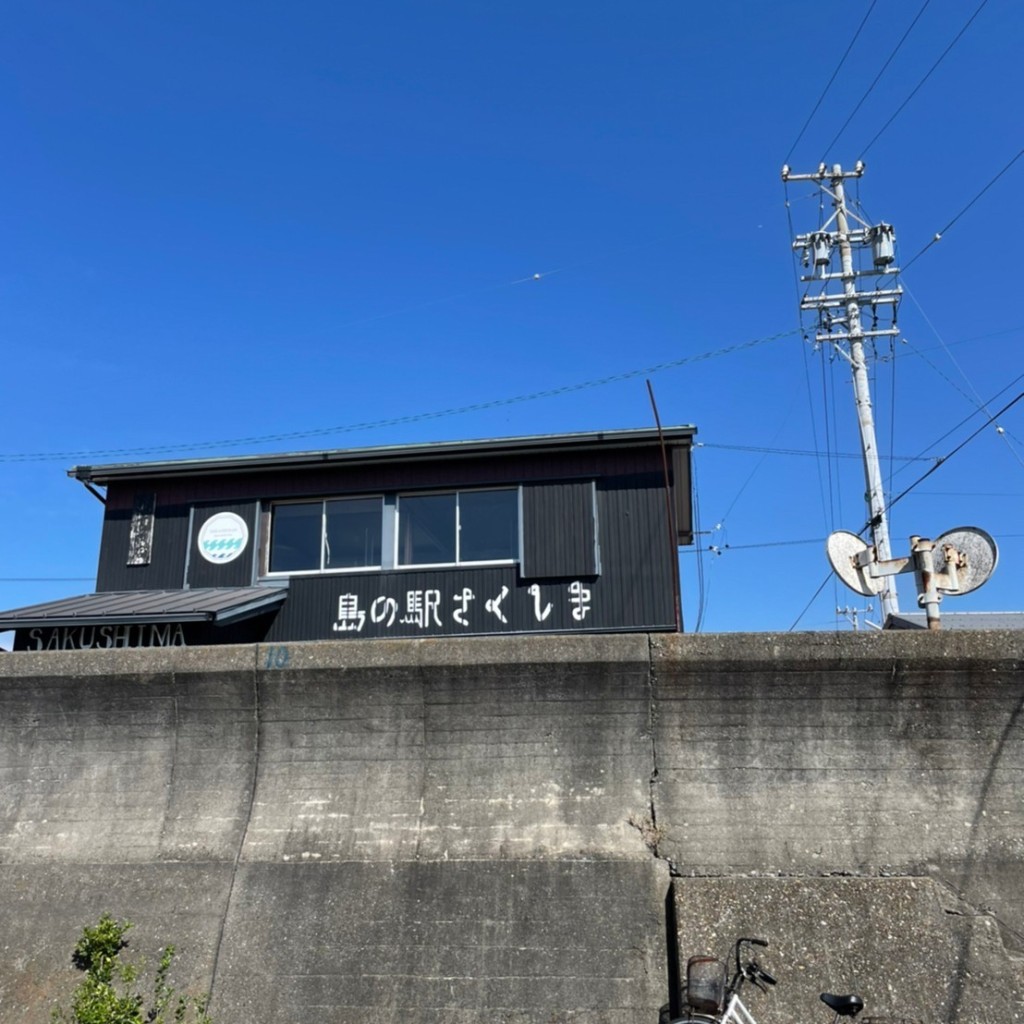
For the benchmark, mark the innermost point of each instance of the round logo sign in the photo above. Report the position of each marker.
(223, 537)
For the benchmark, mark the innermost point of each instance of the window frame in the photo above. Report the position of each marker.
(458, 562)
(323, 570)
(390, 539)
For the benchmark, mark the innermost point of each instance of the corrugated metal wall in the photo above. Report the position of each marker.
(560, 531)
(166, 569)
(636, 550)
(596, 550)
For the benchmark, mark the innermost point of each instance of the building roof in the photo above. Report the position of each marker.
(431, 451)
(959, 620)
(219, 605)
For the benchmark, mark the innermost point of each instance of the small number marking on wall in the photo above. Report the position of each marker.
(277, 657)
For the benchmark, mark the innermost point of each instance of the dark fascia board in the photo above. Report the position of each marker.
(75, 611)
(437, 451)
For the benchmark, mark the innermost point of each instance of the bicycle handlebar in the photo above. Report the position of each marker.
(749, 942)
(751, 970)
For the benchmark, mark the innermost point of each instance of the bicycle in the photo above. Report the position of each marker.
(710, 997)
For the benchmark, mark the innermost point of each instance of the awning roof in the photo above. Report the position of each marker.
(219, 605)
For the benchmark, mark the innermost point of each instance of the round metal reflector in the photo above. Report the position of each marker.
(842, 548)
(979, 557)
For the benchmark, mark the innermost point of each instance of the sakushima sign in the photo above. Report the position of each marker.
(84, 638)
(462, 610)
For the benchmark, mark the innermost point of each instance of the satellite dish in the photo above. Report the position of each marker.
(979, 552)
(842, 548)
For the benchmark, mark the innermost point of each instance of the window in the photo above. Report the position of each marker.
(459, 527)
(352, 531)
(296, 538)
(343, 533)
(488, 526)
(427, 529)
(450, 528)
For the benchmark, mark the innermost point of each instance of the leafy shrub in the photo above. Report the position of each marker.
(109, 993)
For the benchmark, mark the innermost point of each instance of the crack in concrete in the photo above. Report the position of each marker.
(169, 791)
(244, 832)
(652, 834)
(649, 830)
(424, 769)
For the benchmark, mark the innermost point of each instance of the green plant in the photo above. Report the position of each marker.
(109, 993)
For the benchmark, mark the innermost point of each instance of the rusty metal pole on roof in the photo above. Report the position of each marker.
(924, 573)
(669, 516)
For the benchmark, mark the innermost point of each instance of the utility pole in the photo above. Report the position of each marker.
(853, 614)
(839, 300)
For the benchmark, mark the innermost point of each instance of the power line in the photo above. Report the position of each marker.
(804, 452)
(938, 234)
(828, 85)
(828, 412)
(701, 592)
(871, 87)
(750, 476)
(47, 579)
(904, 493)
(826, 511)
(928, 75)
(761, 545)
(814, 597)
(973, 494)
(967, 419)
(974, 398)
(399, 420)
(892, 412)
(719, 549)
(964, 443)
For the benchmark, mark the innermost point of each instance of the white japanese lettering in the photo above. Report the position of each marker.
(534, 591)
(579, 598)
(462, 600)
(351, 618)
(493, 604)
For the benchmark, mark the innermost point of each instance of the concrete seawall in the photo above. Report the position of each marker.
(528, 829)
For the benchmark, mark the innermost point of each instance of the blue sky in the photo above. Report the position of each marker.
(227, 221)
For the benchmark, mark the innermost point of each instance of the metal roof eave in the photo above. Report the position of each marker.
(105, 620)
(438, 451)
(242, 611)
(74, 611)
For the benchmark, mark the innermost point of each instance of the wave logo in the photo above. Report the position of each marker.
(223, 537)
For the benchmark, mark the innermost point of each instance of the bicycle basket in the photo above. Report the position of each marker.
(705, 984)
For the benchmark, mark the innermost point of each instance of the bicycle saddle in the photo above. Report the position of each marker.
(845, 1006)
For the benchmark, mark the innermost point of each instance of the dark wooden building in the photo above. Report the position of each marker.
(564, 533)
